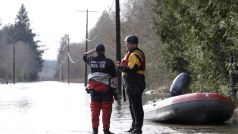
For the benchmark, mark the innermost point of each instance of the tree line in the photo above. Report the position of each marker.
(197, 37)
(20, 53)
(137, 19)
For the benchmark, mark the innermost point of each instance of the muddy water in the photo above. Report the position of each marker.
(57, 108)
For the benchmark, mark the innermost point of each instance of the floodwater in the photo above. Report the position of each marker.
(61, 108)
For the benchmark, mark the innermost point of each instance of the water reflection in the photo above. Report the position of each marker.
(22, 104)
(120, 109)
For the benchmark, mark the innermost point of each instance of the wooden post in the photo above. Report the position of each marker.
(67, 40)
(13, 65)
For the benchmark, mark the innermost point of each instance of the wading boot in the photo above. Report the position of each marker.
(95, 131)
(130, 130)
(107, 131)
(137, 130)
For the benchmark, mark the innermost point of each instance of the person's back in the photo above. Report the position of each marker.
(100, 63)
(100, 87)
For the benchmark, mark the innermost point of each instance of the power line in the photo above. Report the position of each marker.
(92, 39)
(111, 7)
(71, 60)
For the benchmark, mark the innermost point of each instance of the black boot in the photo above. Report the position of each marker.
(130, 130)
(95, 131)
(136, 131)
(107, 131)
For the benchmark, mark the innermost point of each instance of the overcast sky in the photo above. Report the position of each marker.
(51, 19)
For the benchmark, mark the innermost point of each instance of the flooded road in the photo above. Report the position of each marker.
(57, 108)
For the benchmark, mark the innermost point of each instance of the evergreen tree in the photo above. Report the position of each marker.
(23, 32)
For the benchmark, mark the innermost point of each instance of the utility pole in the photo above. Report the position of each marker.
(86, 47)
(61, 64)
(13, 64)
(118, 43)
(62, 73)
(67, 40)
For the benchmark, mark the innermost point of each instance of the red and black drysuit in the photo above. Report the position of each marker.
(102, 70)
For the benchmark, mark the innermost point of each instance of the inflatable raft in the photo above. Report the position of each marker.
(189, 108)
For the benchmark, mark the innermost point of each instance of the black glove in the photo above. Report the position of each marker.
(115, 94)
(87, 90)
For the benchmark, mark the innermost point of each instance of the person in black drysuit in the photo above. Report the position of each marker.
(133, 67)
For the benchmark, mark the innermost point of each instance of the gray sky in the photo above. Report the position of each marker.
(51, 19)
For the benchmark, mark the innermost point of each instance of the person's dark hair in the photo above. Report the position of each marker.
(132, 39)
(100, 48)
